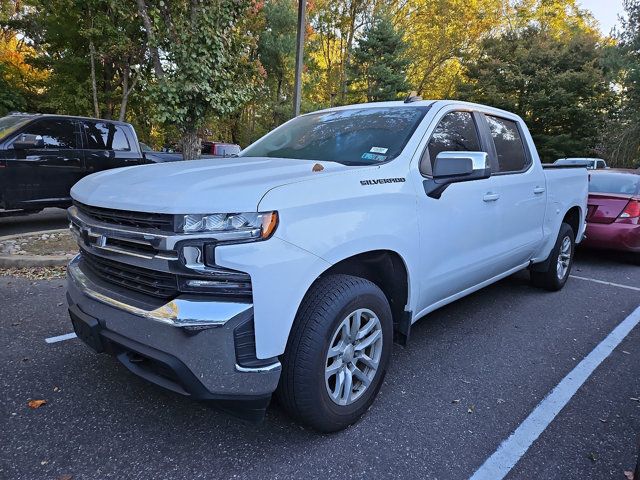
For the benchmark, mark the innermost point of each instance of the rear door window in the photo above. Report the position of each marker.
(106, 136)
(510, 150)
(58, 134)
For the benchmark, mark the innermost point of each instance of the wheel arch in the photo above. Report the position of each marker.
(388, 270)
(573, 218)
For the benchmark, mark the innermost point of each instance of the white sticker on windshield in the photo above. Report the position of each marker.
(378, 150)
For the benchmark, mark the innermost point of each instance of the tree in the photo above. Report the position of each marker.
(380, 64)
(276, 51)
(555, 17)
(201, 61)
(622, 137)
(93, 49)
(20, 82)
(441, 34)
(10, 99)
(558, 85)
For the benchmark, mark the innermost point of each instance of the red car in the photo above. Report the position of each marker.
(613, 218)
(220, 149)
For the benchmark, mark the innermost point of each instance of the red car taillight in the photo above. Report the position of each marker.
(631, 213)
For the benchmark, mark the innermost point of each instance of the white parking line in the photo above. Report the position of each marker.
(60, 338)
(498, 465)
(605, 283)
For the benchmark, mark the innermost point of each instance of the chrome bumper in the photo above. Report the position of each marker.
(179, 312)
(202, 352)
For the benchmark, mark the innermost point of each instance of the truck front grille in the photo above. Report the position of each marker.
(154, 221)
(218, 282)
(142, 280)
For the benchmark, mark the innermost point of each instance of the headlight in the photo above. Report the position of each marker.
(233, 226)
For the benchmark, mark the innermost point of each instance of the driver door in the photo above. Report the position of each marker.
(458, 235)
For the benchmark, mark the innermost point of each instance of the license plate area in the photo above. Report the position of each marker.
(87, 329)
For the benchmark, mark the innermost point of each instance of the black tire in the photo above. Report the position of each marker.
(302, 390)
(549, 278)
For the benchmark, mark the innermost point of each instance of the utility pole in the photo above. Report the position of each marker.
(297, 90)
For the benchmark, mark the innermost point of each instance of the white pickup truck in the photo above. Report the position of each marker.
(293, 268)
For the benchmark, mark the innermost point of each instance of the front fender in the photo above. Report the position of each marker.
(281, 274)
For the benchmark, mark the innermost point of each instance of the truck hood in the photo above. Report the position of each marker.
(198, 186)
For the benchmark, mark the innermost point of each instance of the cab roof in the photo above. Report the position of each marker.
(30, 116)
(425, 103)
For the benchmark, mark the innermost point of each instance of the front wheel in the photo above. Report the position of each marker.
(338, 352)
(558, 265)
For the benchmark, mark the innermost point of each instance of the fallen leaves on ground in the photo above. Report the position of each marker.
(628, 475)
(65, 477)
(471, 408)
(36, 403)
(35, 273)
(592, 456)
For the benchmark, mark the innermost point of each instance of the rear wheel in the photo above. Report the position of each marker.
(338, 352)
(559, 263)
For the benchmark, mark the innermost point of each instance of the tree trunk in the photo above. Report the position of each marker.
(190, 145)
(347, 55)
(125, 93)
(94, 87)
(126, 90)
(153, 49)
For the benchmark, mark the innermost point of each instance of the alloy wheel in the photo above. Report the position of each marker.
(353, 356)
(564, 258)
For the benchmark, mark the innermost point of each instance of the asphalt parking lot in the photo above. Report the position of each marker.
(48, 219)
(472, 373)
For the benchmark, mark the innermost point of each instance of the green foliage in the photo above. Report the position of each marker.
(223, 69)
(10, 98)
(276, 51)
(63, 31)
(206, 69)
(622, 135)
(558, 86)
(379, 66)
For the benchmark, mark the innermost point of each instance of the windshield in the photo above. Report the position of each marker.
(11, 123)
(358, 136)
(619, 183)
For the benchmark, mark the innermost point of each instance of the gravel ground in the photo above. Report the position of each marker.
(55, 243)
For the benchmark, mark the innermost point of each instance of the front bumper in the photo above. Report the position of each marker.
(188, 346)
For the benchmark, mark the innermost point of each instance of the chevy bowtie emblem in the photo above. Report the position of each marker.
(93, 238)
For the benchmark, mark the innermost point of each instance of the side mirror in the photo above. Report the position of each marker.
(28, 141)
(456, 167)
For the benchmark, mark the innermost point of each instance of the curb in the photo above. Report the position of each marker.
(28, 234)
(30, 261)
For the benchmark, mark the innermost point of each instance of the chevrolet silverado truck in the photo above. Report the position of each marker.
(295, 267)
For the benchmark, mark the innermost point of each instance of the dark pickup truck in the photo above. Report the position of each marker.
(42, 156)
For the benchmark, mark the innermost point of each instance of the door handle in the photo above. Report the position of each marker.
(491, 197)
(538, 190)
